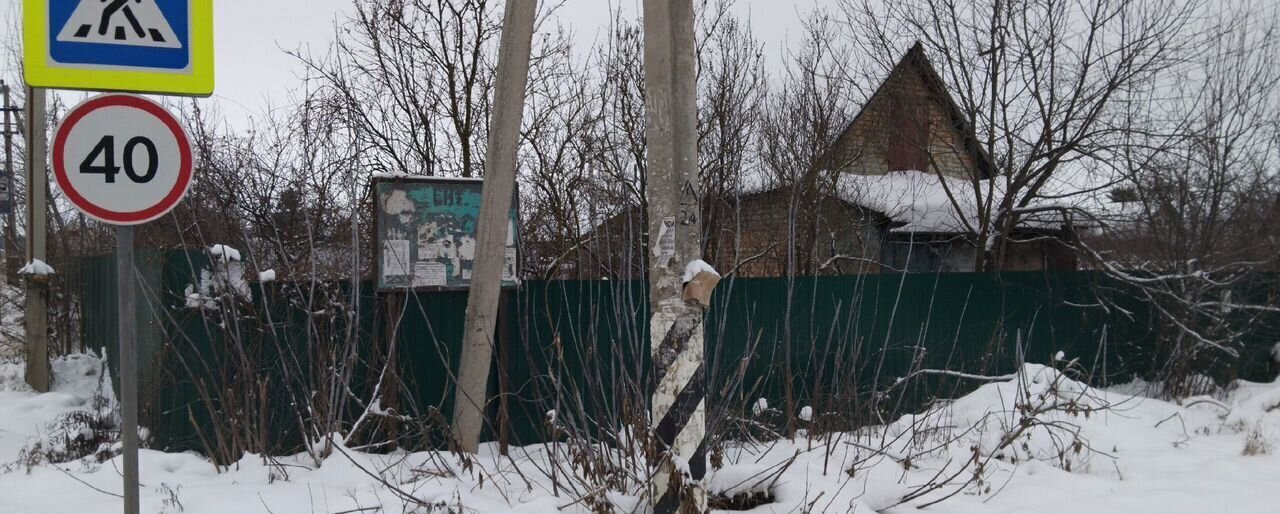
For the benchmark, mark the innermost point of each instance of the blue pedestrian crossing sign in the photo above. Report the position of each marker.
(139, 46)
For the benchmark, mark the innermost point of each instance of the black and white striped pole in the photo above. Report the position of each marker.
(678, 410)
(679, 395)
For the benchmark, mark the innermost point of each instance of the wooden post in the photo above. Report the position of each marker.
(36, 321)
(395, 302)
(678, 413)
(491, 229)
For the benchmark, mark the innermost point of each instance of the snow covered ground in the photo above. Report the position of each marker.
(1039, 443)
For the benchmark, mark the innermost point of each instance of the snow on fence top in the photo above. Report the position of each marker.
(36, 267)
(226, 253)
(922, 201)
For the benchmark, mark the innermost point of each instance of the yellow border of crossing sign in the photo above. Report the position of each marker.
(42, 70)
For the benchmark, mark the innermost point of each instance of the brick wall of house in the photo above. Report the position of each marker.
(755, 238)
(615, 249)
(750, 236)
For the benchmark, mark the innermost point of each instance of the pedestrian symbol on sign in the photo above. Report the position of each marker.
(119, 22)
(123, 34)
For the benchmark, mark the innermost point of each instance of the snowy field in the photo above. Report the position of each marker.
(1036, 443)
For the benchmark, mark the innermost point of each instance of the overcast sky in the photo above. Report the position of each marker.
(254, 73)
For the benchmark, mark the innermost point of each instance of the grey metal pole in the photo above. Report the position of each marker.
(36, 320)
(128, 356)
(491, 229)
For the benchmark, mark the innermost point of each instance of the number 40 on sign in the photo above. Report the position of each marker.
(105, 152)
(122, 159)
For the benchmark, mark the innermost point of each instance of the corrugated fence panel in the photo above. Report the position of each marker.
(581, 348)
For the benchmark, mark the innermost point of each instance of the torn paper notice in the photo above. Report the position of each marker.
(430, 274)
(509, 266)
(395, 258)
(666, 247)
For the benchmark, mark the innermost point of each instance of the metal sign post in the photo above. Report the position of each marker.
(128, 365)
(10, 240)
(120, 159)
(123, 160)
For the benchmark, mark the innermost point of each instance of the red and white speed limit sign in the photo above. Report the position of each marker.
(122, 159)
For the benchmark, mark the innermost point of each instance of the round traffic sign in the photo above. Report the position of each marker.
(122, 159)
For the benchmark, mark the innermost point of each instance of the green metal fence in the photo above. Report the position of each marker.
(581, 347)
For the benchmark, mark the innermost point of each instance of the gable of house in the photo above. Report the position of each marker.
(911, 122)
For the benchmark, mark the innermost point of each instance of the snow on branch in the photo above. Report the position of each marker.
(949, 373)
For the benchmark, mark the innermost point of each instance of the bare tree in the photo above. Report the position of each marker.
(806, 112)
(732, 85)
(1044, 84)
(732, 90)
(1193, 222)
(617, 145)
(415, 78)
(562, 112)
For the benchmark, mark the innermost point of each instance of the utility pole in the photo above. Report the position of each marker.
(491, 229)
(10, 240)
(36, 320)
(678, 414)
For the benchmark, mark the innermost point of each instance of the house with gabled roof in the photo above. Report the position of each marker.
(905, 170)
(911, 155)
